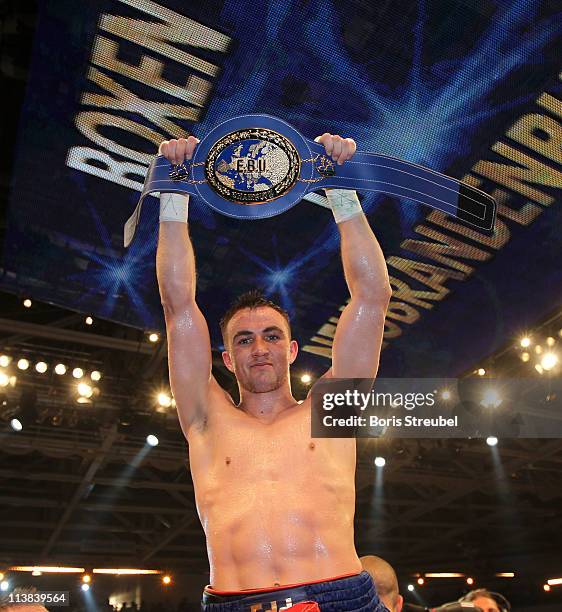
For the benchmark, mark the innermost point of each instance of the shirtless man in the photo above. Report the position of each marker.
(276, 506)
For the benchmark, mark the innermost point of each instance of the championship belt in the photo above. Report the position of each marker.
(258, 166)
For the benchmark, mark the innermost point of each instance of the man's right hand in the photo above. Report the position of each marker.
(177, 151)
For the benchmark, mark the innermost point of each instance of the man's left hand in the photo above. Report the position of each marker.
(340, 149)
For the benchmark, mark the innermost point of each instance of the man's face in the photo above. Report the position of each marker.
(259, 349)
(487, 604)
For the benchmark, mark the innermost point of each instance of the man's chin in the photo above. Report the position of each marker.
(263, 385)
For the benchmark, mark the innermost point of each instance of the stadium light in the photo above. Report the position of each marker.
(164, 400)
(16, 425)
(549, 360)
(23, 364)
(152, 440)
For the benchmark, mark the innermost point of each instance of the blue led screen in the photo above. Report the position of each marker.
(469, 88)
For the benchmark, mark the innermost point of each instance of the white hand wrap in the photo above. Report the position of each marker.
(173, 207)
(344, 203)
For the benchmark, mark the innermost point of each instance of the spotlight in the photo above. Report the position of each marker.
(85, 587)
(549, 361)
(470, 581)
(27, 303)
(36, 573)
(446, 394)
(550, 341)
(23, 364)
(60, 369)
(16, 425)
(164, 400)
(525, 342)
(78, 372)
(481, 371)
(89, 321)
(421, 581)
(380, 461)
(4, 380)
(306, 378)
(491, 399)
(491, 441)
(41, 367)
(153, 337)
(4, 585)
(84, 390)
(5, 361)
(166, 580)
(525, 356)
(95, 376)
(152, 440)
(410, 587)
(546, 588)
(86, 578)
(538, 368)
(538, 349)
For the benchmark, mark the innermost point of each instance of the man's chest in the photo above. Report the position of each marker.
(241, 448)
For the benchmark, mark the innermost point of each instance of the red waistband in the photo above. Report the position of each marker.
(210, 589)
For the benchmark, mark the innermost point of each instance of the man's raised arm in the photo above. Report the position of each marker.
(189, 345)
(357, 342)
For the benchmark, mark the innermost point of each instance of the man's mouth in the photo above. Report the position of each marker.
(260, 365)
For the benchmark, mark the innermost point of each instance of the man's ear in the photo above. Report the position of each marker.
(399, 603)
(227, 361)
(293, 351)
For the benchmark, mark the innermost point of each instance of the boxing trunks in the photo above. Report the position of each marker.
(355, 593)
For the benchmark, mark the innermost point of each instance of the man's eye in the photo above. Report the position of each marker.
(273, 337)
(244, 341)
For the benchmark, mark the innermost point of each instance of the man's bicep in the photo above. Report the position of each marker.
(189, 361)
(358, 339)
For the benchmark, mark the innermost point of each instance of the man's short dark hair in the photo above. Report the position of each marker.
(251, 299)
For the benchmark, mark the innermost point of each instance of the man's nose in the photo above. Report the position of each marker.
(260, 347)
